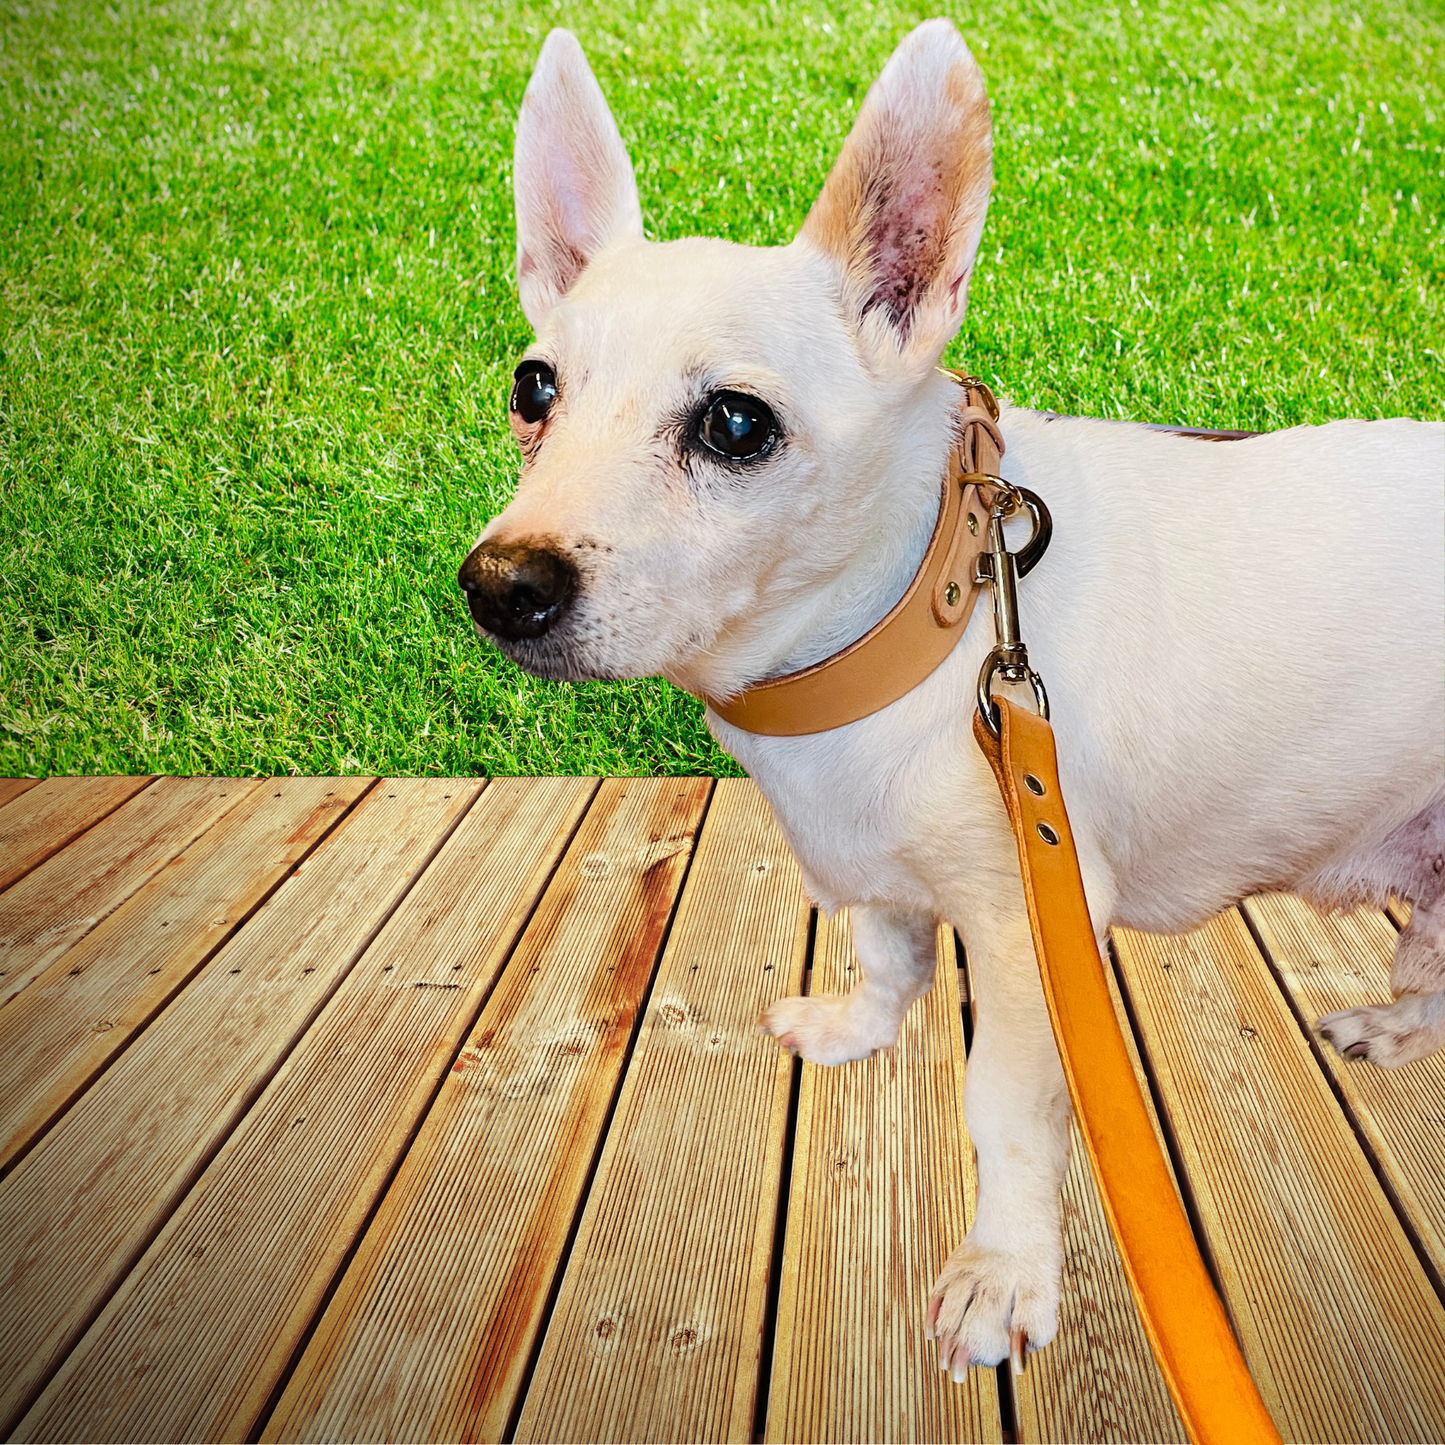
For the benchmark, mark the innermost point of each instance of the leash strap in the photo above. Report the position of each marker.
(1183, 1317)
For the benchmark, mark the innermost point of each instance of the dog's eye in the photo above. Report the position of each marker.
(737, 426)
(534, 389)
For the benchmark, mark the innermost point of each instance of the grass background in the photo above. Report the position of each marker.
(257, 319)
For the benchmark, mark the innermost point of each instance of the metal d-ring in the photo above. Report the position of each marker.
(1013, 670)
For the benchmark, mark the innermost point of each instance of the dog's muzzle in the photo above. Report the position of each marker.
(517, 590)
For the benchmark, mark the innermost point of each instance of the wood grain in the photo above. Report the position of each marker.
(657, 1330)
(176, 1354)
(429, 1333)
(1339, 1323)
(87, 1006)
(1327, 962)
(52, 814)
(1098, 1380)
(883, 1188)
(12, 788)
(62, 899)
(78, 1210)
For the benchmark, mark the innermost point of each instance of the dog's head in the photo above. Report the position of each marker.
(714, 435)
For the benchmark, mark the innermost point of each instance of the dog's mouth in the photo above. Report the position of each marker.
(554, 656)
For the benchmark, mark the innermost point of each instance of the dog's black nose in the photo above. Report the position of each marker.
(517, 589)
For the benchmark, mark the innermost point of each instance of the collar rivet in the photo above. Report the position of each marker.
(951, 594)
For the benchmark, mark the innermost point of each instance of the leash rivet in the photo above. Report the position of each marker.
(973, 524)
(1033, 785)
(1048, 834)
(951, 594)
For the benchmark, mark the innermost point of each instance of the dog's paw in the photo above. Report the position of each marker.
(1388, 1034)
(989, 1305)
(829, 1029)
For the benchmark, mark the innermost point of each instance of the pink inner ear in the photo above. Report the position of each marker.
(907, 224)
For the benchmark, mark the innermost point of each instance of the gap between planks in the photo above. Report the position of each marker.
(361, 1081)
(60, 900)
(883, 1188)
(657, 1331)
(12, 788)
(1338, 1321)
(51, 814)
(107, 1177)
(57, 1036)
(1325, 962)
(429, 1333)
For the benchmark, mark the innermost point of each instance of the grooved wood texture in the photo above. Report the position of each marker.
(81, 1207)
(1339, 1323)
(1098, 1380)
(883, 1189)
(657, 1330)
(296, 1114)
(53, 813)
(429, 1333)
(1343, 961)
(85, 1008)
(172, 1356)
(62, 899)
(12, 788)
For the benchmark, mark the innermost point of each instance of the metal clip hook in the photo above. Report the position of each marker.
(1001, 568)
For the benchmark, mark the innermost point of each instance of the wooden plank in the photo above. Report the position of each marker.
(58, 1035)
(657, 1330)
(62, 899)
(883, 1188)
(1098, 1380)
(78, 1210)
(1339, 1323)
(52, 815)
(181, 1352)
(1328, 962)
(429, 1334)
(12, 788)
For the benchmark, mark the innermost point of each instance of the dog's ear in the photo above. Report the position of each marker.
(572, 178)
(902, 210)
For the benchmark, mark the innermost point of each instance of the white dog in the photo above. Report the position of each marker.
(732, 465)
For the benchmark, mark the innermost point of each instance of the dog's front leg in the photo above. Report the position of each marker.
(999, 1290)
(896, 950)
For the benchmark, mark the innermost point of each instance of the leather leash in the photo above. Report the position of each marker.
(1181, 1313)
(1186, 1323)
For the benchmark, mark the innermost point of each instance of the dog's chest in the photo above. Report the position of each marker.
(882, 820)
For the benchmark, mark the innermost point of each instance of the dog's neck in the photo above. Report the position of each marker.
(885, 517)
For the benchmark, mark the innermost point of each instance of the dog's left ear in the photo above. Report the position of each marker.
(571, 176)
(902, 210)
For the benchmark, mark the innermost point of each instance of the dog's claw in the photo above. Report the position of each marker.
(1018, 1343)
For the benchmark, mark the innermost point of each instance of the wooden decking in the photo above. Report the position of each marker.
(434, 1109)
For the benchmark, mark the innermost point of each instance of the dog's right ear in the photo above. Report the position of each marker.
(902, 210)
(571, 176)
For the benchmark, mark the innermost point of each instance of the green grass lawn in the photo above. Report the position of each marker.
(257, 318)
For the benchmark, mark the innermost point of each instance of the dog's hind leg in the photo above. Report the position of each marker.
(999, 1290)
(1410, 863)
(896, 950)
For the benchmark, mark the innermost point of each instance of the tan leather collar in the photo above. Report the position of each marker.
(909, 644)
(893, 657)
